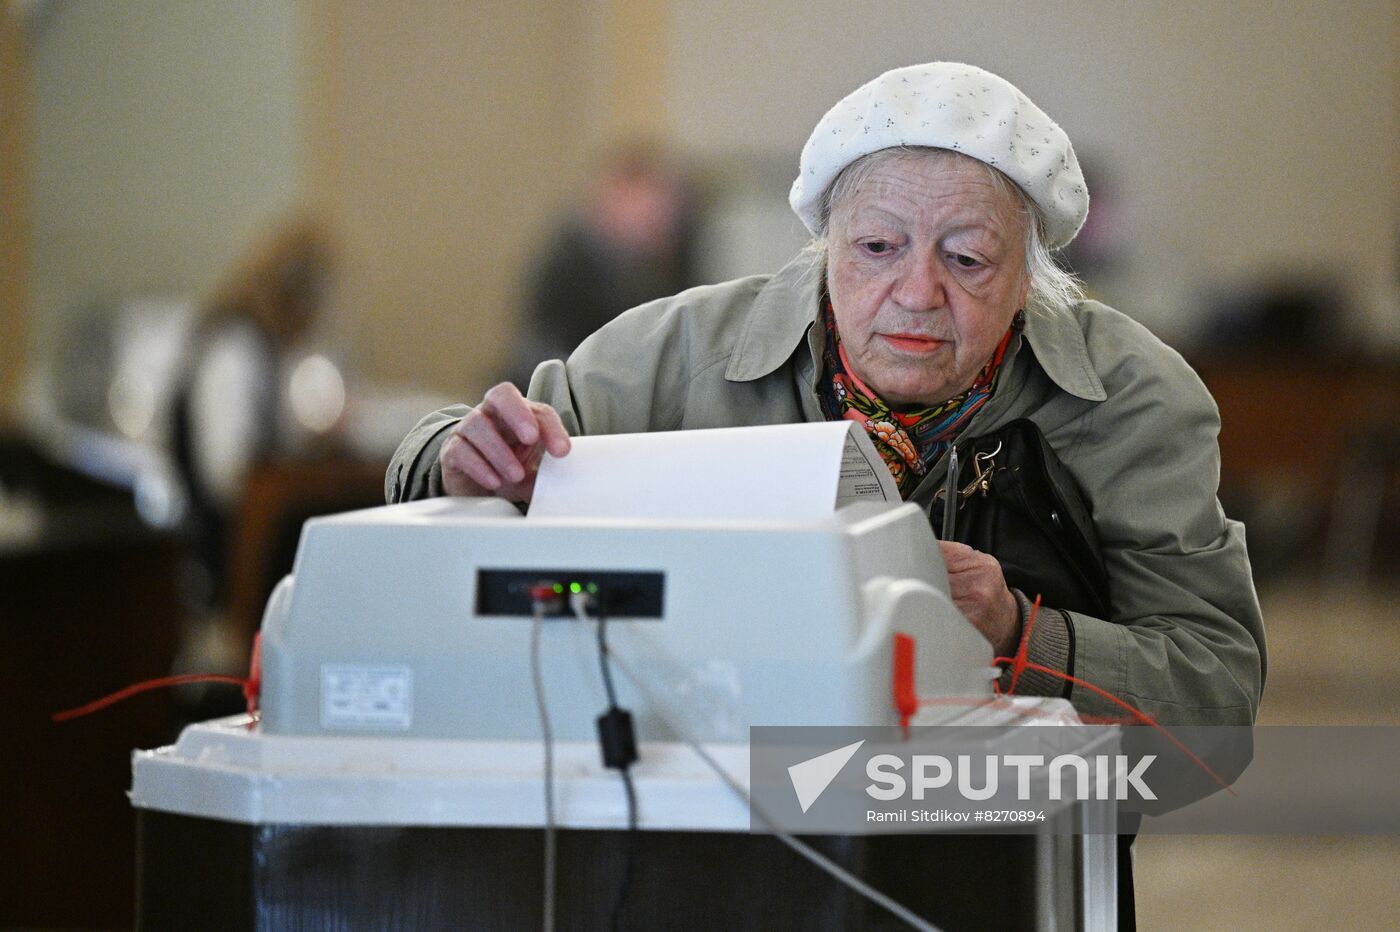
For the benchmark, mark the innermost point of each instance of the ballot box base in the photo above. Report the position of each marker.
(210, 874)
(241, 829)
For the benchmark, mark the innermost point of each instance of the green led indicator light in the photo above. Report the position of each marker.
(575, 588)
(558, 588)
(593, 587)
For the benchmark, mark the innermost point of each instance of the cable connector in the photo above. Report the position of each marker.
(545, 593)
(617, 738)
(583, 603)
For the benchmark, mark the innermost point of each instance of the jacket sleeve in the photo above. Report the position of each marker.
(1185, 643)
(413, 471)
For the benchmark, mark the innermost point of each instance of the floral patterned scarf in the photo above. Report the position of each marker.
(908, 441)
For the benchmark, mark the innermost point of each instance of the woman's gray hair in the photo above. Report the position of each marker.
(1051, 287)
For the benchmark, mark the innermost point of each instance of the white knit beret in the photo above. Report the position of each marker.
(948, 106)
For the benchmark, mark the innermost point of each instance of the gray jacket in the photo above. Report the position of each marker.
(1127, 416)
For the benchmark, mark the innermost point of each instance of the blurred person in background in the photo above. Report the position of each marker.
(630, 241)
(246, 395)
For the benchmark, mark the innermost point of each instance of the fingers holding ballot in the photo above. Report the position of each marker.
(496, 449)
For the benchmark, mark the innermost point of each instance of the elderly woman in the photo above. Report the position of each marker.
(930, 310)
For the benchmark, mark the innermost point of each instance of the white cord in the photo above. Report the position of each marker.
(549, 828)
(831, 867)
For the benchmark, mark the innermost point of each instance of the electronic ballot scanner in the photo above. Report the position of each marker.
(415, 620)
(736, 600)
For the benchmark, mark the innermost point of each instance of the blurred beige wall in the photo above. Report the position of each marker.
(441, 140)
(449, 134)
(165, 136)
(15, 119)
(444, 138)
(1242, 136)
(450, 138)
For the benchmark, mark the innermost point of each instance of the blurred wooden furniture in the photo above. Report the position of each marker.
(1326, 430)
(88, 605)
(279, 496)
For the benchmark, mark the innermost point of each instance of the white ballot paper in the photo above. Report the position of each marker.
(783, 472)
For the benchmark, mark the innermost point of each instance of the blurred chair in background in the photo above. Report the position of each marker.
(1299, 314)
(631, 241)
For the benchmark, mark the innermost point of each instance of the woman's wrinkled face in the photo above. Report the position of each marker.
(926, 269)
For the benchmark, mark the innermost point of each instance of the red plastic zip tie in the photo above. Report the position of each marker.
(1020, 663)
(1137, 714)
(906, 695)
(1002, 701)
(1018, 666)
(97, 705)
(252, 687)
(907, 702)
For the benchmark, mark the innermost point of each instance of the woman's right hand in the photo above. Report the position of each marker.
(496, 449)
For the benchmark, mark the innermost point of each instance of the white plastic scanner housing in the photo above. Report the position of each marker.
(762, 623)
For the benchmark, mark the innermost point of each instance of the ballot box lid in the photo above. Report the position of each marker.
(228, 769)
(224, 769)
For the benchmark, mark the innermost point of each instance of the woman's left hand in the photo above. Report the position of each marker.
(979, 591)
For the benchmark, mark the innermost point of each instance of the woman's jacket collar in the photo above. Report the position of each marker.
(786, 307)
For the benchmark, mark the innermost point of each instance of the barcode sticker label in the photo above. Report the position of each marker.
(374, 697)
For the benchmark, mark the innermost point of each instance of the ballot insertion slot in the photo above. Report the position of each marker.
(618, 594)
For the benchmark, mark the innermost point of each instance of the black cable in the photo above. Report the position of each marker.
(603, 657)
(619, 751)
(629, 862)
